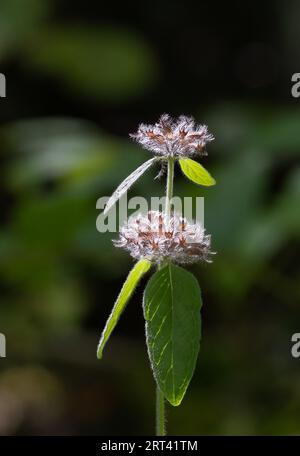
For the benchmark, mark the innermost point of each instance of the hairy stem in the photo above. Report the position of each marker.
(160, 400)
(169, 192)
(160, 413)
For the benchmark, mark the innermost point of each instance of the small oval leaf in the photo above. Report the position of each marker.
(172, 303)
(195, 172)
(139, 269)
(127, 183)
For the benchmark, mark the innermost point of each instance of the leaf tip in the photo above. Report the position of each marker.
(99, 353)
(175, 401)
(100, 349)
(213, 182)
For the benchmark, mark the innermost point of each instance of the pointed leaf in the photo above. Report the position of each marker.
(127, 183)
(172, 302)
(128, 288)
(195, 172)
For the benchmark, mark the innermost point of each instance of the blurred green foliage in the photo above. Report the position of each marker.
(15, 28)
(60, 277)
(102, 63)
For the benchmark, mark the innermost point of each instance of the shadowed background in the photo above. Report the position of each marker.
(80, 77)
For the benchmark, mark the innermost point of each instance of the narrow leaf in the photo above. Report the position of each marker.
(195, 172)
(128, 288)
(127, 183)
(172, 302)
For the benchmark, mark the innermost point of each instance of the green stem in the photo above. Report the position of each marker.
(169, 192)
(160, 400)
(160, 413)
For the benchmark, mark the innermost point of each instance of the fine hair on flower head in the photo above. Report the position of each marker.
(172, 141)
(153, 237)
(180, 137)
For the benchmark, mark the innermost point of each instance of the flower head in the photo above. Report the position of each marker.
(151, 236)
(174, 137)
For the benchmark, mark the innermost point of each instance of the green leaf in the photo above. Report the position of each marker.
(172, 303)
(140, 268)
(195, 172)
(127, 183)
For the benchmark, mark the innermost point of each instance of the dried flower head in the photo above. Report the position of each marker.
(151, 236)
(174, 137)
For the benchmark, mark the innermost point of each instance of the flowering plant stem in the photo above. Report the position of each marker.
(169, 192)
(172, 298)
(160, 400)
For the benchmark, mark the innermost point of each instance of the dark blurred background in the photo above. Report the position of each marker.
(80, 77)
